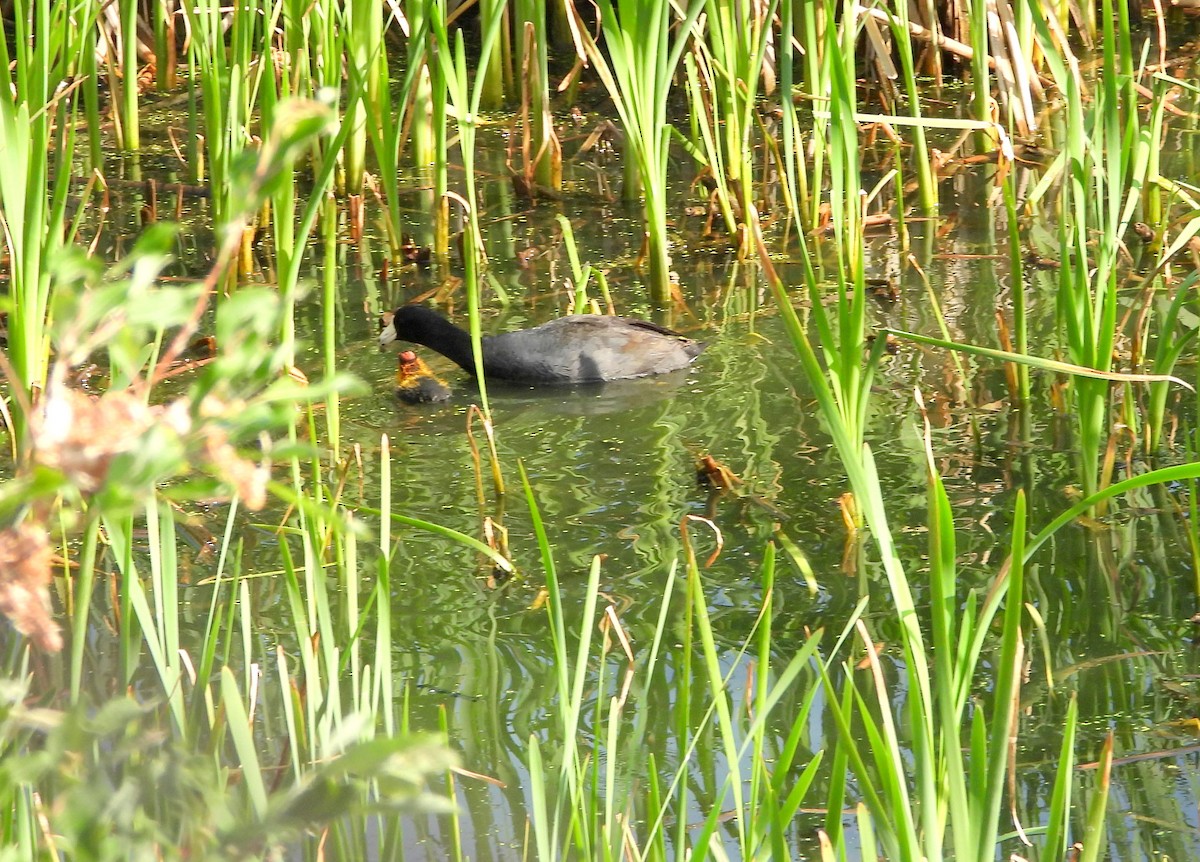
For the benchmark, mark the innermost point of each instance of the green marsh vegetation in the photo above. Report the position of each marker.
(929, 599)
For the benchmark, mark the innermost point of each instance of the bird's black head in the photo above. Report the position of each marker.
(408, 323)
(421, 325)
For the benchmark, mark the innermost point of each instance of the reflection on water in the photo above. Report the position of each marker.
(591, 399)
(613, 470)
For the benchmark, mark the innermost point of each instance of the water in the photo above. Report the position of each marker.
(613, 471)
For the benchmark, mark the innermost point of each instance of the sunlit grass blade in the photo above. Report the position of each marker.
(243, 742)
(1038, 362)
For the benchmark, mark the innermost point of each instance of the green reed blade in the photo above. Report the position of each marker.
(129, 128)
(1005, 691)
(1163, 475)
(637, 69)
(1059, 816)
(1095, 828)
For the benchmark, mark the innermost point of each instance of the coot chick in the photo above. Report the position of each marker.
(582, 348)
(415, 383)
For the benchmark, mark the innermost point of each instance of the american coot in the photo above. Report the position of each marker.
(415, 383)
(582, 348)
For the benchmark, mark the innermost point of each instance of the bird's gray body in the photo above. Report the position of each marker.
(581, 348)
